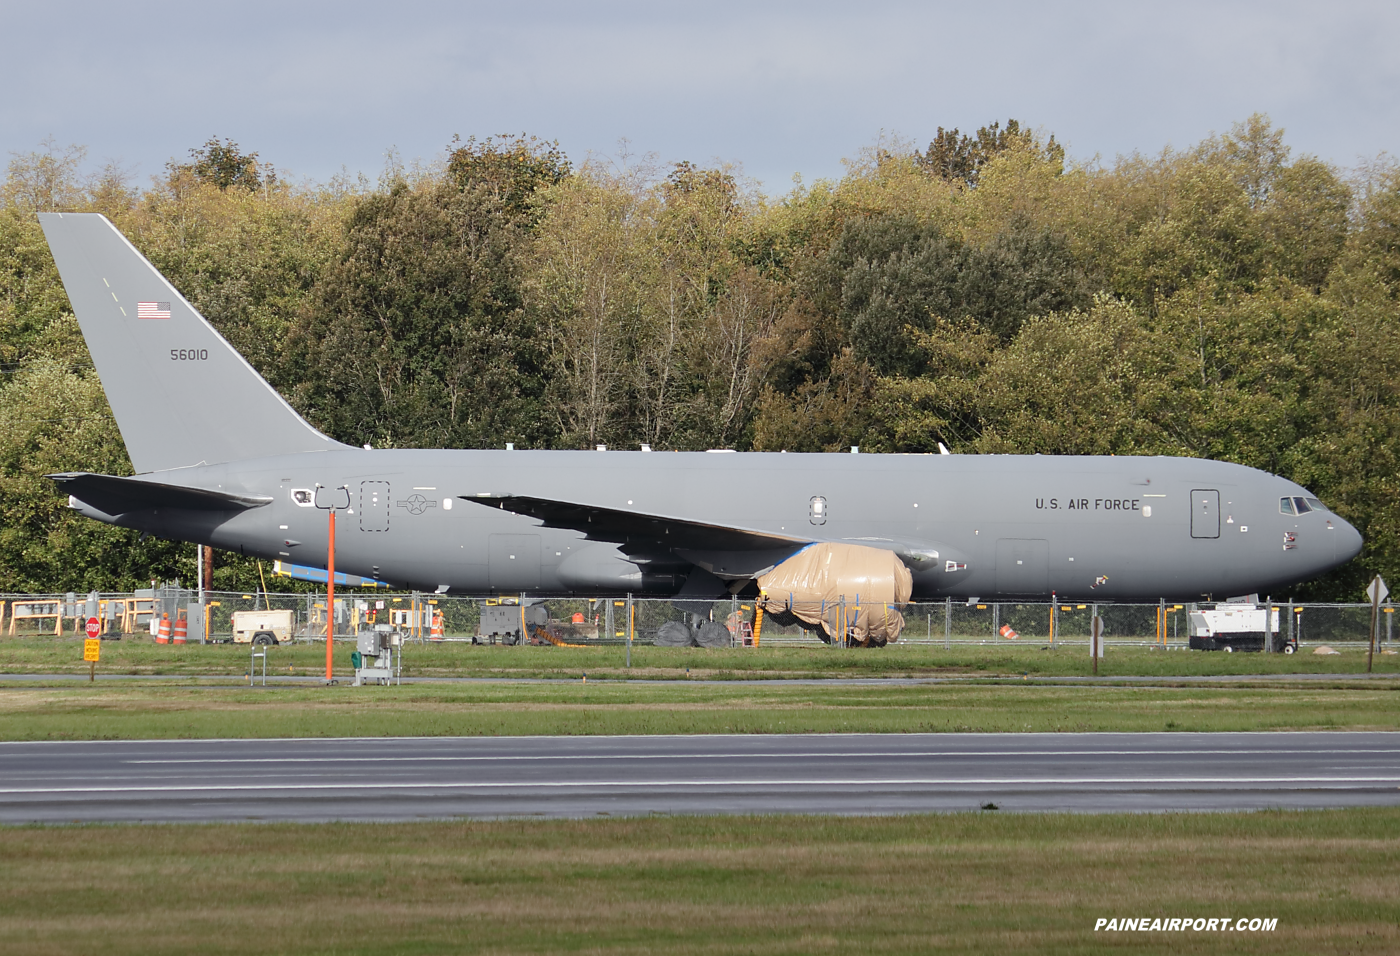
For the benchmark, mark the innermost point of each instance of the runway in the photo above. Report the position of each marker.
(418, 778)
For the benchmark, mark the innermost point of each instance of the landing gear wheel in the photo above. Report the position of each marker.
(675, 634)
(713, 634)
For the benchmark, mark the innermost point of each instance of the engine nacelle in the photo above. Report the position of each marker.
(850, 591)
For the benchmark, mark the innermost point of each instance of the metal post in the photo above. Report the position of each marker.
(947, 623)
(199, 577)
(1389, 622)
(996, 621)
(631, 617)
(1291, 621)
(841, 618)
(1269, 624)
(330, 598)
(1377, 592)
(1371, 642)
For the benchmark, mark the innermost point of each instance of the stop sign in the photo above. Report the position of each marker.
(94, 628)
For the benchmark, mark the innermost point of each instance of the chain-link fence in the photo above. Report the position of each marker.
(734, 622)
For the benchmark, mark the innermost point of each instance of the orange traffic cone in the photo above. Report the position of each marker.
(163, 630)
(182, 630)
(1008, 633)
(436, 634)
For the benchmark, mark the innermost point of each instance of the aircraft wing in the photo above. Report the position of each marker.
(116, 496)
(725, 550)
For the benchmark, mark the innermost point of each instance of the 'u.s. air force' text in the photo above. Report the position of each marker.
(1088, 504)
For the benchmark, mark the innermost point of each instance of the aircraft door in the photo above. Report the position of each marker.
(1205, 513)
(374, 506)
(1023, 566)
(514, 562)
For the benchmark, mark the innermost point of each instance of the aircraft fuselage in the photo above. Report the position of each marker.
(1100, 528)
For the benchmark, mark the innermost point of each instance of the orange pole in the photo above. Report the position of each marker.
(330, 598)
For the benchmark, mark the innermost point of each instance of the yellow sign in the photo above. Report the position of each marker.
(92, 650)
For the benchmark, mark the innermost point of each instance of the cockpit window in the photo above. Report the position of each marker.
(1317, 505)
(1301, 505)
(1285, 506)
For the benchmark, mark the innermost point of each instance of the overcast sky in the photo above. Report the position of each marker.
(780, 88)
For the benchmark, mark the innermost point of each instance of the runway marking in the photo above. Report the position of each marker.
(1173, 782)
(678, 755)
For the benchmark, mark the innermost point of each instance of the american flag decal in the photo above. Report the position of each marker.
(153, 310)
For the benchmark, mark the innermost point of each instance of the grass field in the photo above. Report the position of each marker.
(187, 709)
(968, 883)
(141, 656)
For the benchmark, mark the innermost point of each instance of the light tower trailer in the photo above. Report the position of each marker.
(1238, 627)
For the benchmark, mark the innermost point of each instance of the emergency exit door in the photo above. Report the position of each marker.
(1205, 513)
(374, 506)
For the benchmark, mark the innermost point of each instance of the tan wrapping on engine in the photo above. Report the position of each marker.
(811, 584)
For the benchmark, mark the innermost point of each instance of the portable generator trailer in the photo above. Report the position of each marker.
(511, 623)
(262, 627)
(1238, 627)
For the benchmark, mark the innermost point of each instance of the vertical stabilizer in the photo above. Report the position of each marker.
(180, 393)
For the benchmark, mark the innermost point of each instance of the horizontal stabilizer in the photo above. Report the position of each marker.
(117, 496)
(637, 532)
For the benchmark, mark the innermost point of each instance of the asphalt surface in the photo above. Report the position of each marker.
(417, 778)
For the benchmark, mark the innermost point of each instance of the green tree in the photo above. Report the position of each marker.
(510, 170)
(959, 158)
(221, 164)
(250, 262)
(415, 336)
(55, 419)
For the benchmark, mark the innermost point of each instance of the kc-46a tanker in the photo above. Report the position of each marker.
(223, 460)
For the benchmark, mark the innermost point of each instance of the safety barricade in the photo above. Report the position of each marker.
(36, 610)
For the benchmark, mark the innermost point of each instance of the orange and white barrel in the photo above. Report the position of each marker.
(182, 630)
(1008, 633)
(436, 633)
(163, 630)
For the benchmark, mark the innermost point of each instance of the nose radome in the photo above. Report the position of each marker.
(1347, 541)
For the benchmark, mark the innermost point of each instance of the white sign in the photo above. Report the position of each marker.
(1377, 591)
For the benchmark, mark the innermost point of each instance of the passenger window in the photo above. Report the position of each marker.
(1301, 505)
(1285, 506)
(816, 510)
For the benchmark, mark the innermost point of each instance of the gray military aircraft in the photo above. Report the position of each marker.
(223, 460)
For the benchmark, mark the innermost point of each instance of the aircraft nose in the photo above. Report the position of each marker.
(1347, 541)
